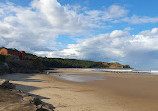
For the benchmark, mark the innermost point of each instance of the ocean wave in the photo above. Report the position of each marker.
(150, 72)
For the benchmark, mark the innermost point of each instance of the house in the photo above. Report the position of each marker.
(12, 51)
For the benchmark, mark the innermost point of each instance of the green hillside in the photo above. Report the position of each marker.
(33, 63)
(72, 63)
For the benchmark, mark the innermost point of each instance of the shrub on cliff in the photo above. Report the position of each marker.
(2, 58)
(126, 66)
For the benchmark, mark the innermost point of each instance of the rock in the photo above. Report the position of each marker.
(27, 99)
(37, 101)
(3, 81)
(39, 106)
(46, 108)
(6, 85)
(25, 102)
(43, 108)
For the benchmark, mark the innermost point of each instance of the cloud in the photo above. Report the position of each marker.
(115, 11)
(138, 50)
(153, 32)
(101, 47)
(60, 17)
(118, 14)
(109, 14)
(140, 20)
(36, 28)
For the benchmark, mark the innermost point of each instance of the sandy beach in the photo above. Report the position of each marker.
(117, 92)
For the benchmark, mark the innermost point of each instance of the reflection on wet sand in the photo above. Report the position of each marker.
(78, 77)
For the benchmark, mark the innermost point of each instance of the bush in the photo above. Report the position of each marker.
(126, 66)
(2, 58)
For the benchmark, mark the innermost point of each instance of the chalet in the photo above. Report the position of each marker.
(11, 51)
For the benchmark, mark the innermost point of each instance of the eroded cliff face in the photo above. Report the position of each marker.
(13, 65)
(4, 68)
(16, 67)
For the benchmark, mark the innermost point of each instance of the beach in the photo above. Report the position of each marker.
(116, 92)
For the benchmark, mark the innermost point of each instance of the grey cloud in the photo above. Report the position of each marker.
(137, 50)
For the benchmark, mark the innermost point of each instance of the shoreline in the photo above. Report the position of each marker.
(146, 72)
(119, 92)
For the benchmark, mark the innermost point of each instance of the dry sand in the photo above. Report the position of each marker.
(119, 92)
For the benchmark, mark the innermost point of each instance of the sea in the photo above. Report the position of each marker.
(127, 71)
(79, 77)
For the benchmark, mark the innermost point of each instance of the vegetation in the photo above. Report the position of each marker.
(33, 63)
(2, 58)
(126, 66)
(71, 63)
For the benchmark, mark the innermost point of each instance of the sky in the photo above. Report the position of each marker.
(124, 31)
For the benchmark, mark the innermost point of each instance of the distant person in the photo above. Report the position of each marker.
(47, 72)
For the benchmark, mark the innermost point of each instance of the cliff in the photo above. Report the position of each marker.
(11, 64)
(73, 63)
(115, 65)
(33, 63)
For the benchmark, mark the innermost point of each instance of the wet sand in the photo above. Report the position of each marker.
(118, 92)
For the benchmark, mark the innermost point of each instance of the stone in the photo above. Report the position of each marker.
(39, 106)
(4, 83)
(37, 101)
(27, 99)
